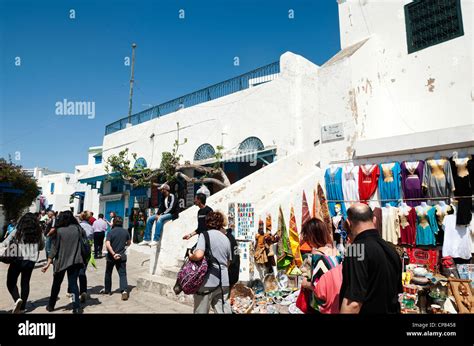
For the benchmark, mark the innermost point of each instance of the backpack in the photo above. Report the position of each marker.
(85, 247)
(234, 267)
(192, 274)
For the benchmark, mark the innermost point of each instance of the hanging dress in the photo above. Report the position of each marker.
(438, 180)
(463, 175)
(350, 184)
(390, 225)
(457, 239)
(368, 175)
(427, 226)
(412, 177)
(333, 181)
(407, 226)
(389, 183)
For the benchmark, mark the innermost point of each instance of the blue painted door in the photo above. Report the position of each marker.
(114, 206)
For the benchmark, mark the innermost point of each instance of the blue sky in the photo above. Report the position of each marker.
(82, 59)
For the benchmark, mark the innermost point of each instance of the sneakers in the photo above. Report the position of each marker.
(68, 295)
(83, 297)
(124, 295)
(143, 243)
(17, 306)
(154, 243)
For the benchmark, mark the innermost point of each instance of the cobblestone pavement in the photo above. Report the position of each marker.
(138, 302)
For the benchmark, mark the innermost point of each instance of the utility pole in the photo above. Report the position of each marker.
(131, 86)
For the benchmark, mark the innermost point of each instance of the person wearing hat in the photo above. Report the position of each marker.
(168, 210)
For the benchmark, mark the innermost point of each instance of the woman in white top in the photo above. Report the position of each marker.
(28, 241)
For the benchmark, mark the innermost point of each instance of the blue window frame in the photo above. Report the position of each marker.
(51, 188)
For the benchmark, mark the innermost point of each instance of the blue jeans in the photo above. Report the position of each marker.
(47, 246)
(122, 271)
(159, 226)
(72, 275)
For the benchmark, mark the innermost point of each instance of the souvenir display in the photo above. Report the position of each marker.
(368, 177)
(390, 224)
(438, 180)
(407, 217)
(294, 239)
(305, 216)
(412, 177)
(284, 255)
(427, 225)
(333, 178)
(350, 184)
(245, 221)
(389, 183)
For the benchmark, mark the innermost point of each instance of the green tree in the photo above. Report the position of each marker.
(170, 168)
(12, 177)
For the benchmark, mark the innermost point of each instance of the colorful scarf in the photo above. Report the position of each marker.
(324, 208)
(304, 218)
(284, 255)
(295, 239)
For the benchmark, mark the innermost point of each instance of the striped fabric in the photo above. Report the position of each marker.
(327, 280)
(304, 248)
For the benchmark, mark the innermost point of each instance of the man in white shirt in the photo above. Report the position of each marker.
(99, 226)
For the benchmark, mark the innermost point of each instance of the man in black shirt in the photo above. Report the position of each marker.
(200, 201)
(372, 270)
(117, 240)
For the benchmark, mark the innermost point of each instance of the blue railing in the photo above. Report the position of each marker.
(258, 76)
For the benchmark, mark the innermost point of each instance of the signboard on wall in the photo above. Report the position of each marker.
(332, 132)
(245, 221)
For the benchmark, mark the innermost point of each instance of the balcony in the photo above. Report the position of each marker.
(253, 78)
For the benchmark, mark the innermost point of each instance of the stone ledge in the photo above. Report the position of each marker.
(162, 286)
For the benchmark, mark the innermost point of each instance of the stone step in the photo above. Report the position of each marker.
(171, 273)
(163, 286)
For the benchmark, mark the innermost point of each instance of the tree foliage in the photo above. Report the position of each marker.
(13, 177)
(170, 168)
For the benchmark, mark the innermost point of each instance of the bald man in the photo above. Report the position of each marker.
(372, 270)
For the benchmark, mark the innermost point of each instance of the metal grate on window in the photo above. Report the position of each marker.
(429, 22)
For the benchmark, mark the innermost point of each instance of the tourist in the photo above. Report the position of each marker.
(372, 269)
(67, 258)
(91, 218)
(43, 216)
(99, 227)
(110, 223)
(321, 292)
(27, 233)
(84, 218)
(200, 201)
(50, 232)
(168, 210)
(215, 289)
(117, 241)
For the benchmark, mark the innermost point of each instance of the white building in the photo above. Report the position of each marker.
(56, 189)
(398, 89)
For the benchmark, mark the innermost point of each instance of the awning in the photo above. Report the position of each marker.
(94, 175)
(240, 156)
(80, 194)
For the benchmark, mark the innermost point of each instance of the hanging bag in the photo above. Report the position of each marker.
(10, 253)
(85, 247)
(193, 273)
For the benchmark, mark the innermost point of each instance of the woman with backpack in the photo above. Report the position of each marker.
(215, 246)
(28, 235)
(68, 258)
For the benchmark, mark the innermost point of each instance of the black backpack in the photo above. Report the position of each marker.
(234, 267)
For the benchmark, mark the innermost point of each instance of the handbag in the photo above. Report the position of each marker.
(9, 253)
(85, 247)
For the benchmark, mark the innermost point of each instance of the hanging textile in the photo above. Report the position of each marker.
(294, 239)
(463, 175)
(317, 213)
(390, 225)
(284, 256)
(389, 183)
(305, 216)
(333, 179)
(378, 219)
(427, 226)
(407, 216)
(324, 208)
(412, 177)
(438, 180)
(368, 176)
(350, 184)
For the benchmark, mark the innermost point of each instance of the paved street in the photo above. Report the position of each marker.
(139, 301)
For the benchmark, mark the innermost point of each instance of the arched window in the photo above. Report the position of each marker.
(204, 151)
(251, 144)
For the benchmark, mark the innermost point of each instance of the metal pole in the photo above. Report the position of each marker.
(131, 85)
